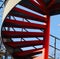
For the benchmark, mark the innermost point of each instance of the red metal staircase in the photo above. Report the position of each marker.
(17, 12)
(15, 48)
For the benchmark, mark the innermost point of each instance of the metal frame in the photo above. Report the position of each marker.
(46, 44)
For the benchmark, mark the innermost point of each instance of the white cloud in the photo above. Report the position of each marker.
(58, 24)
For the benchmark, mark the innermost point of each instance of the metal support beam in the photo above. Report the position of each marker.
(46, 38)
(51, 3)
(42, 3)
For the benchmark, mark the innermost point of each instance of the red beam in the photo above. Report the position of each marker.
(21, 24)
(17, 34)
(28, 15)
(46, 38)
(43, 9)
(29, 52)
(24, 43)
(42, 3)
(51, 3)
(55, 7)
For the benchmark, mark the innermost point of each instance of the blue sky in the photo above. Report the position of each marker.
(55, 30)
(54, 26)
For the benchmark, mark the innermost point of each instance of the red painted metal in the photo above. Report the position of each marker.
(17, 12)
(17, 34)
(55, 7)
(44, 7)
(51, 3)
(46, 38)
(21, 24)
(28, 15)
(32, 8)
(24, 43)
(42, 3)
(28, 52)
(40, 6)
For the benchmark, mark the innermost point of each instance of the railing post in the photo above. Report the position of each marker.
(6, 55)
(55, 49)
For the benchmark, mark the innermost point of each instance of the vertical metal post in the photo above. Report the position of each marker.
(46, 38)
(6, 55)
(55, 49)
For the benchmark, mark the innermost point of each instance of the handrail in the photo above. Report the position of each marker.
(55, 37)
(55, 48)
(2, 4)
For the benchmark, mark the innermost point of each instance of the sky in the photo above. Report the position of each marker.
(55, 30)
(55, 25)
(1, 10)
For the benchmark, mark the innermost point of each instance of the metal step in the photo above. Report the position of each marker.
(27, 15)
(42, 8)
(17, 34)
(28, 53)
(21, 24)
(24, 43)
(33, 7)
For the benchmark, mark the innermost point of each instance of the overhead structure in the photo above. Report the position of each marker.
(26, 24)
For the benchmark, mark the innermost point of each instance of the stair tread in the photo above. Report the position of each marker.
(28, 15)
(17, 34)
(29, 5)
(28, 52)
(41, 7)
(22, 24)
(24, 43)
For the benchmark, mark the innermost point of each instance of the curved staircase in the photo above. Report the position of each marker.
(12, 22)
